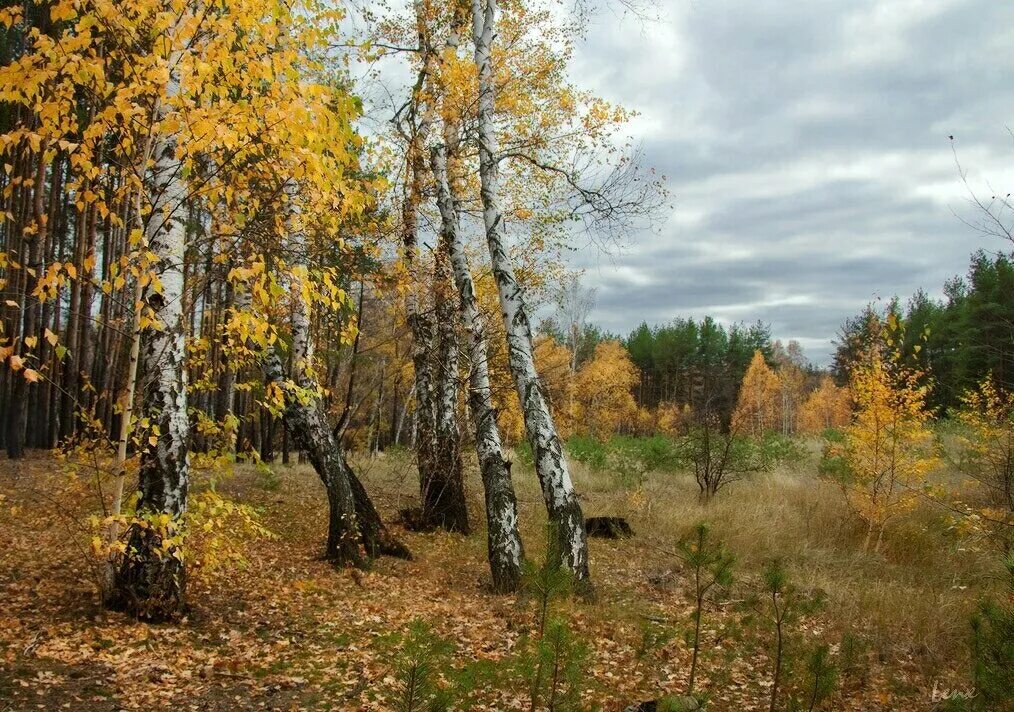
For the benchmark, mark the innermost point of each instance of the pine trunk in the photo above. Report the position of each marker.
(24, 389)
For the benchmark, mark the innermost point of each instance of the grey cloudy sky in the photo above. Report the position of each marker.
(806, 147)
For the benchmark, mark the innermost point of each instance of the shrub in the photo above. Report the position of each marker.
(718, 457)
(657, 453)
(776, 449)
(881, 460)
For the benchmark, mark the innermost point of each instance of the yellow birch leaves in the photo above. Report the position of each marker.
(882, 457)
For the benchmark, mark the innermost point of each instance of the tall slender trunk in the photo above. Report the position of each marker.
(72, 361)
(346, 416)
(113, 531)
(566, 519)
(224, 405)
(443, 503)
(151, 580)
(503, 537)
(402, 415)
(23, 387)
(421, 324)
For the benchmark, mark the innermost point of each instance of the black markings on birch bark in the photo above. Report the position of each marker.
(503, 538)
(150, 582)
(566, 518)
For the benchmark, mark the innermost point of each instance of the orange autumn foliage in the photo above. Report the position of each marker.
(603, 392)
(758, 408)
(827, 406)
(884, 455)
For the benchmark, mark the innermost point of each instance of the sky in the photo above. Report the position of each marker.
(806, 148)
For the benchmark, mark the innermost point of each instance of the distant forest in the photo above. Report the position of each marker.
(957, 341)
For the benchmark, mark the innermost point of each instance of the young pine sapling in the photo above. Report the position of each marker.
(822, 677)
(551, 663)
(708, 567)
(786, 604)
(420, 656)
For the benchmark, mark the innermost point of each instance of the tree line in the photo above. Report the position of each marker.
(961, 339)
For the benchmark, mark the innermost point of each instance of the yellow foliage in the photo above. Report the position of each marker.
(603, 392)
(672, 419)
(987, 451)
(886, 451)
(552, 361)
(827, 406)
(758, 408)
(791, 381)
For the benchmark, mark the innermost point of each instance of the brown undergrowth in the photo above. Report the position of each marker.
(287, 631)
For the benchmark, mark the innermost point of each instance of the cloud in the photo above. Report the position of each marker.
(806, 147)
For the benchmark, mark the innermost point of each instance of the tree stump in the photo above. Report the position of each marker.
(608, 527)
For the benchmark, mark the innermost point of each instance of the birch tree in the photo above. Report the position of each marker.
(435, 348)
(503, 538)
(566, 517)
(303, 416)
(151, 579)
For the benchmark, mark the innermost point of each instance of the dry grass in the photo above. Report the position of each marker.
(909, 602)
(289, 632)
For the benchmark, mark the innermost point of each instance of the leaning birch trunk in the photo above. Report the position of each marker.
(569, 543)
(303, 416)
(306, 425)
(503, 538)
(151, 580)
(352, 518)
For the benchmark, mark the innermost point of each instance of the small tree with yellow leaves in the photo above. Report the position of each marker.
(827, 406)
(881, 459)
(987, 454)
(672, 419)
(604, 392)
(759, 405)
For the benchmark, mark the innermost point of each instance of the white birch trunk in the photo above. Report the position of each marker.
(421, 324)
(566, 519)
(352, 518)
(164, 472)
(444, 504)
(150, 583)
(304, 418)
(503, 537)
(126, 417)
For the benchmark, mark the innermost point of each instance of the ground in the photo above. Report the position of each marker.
(288, 631)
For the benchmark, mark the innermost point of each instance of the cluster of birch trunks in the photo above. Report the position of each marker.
(102, 348)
